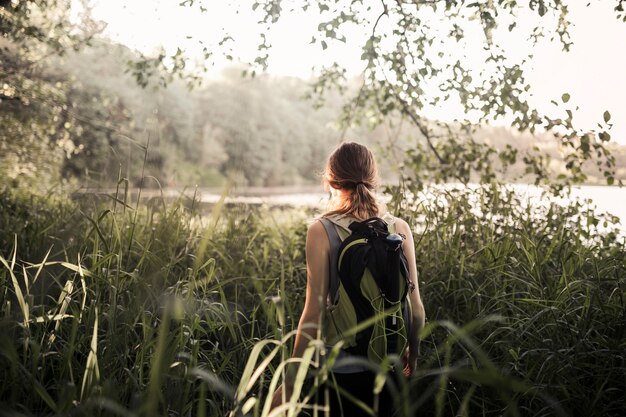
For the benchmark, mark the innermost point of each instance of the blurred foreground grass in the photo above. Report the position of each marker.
(121, 309)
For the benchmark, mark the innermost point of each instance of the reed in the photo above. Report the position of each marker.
(109, 307)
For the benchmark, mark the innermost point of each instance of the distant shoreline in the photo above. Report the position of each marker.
(254, 191)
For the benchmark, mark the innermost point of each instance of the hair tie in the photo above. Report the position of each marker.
(356, 184)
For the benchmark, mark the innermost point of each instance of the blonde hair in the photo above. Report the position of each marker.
(352, 167)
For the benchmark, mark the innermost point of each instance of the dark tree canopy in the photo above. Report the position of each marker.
(34, 109)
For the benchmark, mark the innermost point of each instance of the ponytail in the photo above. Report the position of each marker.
(363, 204)
(352, 167)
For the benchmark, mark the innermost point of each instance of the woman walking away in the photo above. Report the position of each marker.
(359, 267)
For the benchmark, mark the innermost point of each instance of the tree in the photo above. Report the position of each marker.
(36, 114)
(414, 55)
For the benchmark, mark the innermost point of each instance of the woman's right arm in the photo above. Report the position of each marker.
(418, 315)
(317, 247)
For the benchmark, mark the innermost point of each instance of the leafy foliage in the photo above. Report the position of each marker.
(65, 118)
(34, 112)
(88, 123)
(420, 53)
(116, 307)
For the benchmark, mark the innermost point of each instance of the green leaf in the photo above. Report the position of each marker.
(248, 405)
(542, 9)
(607, 116)
(565, 97)
(92, 372)
(251, 371)
(18, 292)
(45, 396)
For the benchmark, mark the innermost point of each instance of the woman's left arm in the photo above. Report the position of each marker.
(418, 315)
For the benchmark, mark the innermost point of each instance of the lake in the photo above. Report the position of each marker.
(609, 199)
(605, 198)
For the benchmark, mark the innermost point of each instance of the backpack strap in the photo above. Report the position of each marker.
(335, 242)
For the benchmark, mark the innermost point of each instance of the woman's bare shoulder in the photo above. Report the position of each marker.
(315, 227)
(316, 230)
(316, 234)
(401, 225)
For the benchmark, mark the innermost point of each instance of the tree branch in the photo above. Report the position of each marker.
(423, 129)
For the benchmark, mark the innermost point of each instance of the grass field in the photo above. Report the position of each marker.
(115, 308)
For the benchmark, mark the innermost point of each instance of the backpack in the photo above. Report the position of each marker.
(367, 304)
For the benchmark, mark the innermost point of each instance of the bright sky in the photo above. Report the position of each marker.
(592, 72)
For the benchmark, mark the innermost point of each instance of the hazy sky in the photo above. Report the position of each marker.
(593, 72)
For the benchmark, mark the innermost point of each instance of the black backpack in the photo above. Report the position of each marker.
(368, 276)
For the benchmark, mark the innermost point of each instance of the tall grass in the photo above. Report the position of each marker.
(115, 308)
(554, 280)
(119, 315)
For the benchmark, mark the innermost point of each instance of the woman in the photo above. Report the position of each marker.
(352, 176)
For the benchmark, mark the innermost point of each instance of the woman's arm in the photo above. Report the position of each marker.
(418, 315)
(317, 248)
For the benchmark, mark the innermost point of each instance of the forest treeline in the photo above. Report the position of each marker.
(90, 121)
